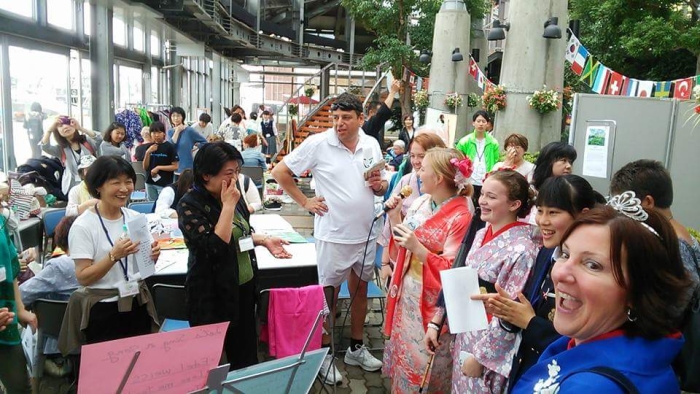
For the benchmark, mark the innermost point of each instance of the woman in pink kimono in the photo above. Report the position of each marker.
(423, 244)
(503, 253)
(420, 144)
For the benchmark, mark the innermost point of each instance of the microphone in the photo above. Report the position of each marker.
(406, 191)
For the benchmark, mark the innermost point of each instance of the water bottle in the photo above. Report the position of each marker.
(125, 232)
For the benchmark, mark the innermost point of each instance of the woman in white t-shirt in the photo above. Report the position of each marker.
(116, 300)
(516, 146)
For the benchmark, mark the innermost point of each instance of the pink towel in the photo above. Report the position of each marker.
(290, 317)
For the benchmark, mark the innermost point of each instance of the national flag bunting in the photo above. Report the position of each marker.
(663, 89)
(645, 88)
(601, 79)
(683, 89)
(629, 87)
(589, 71)
(614, 86)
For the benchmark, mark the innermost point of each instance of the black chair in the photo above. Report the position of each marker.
(170, 301)
(49, 314)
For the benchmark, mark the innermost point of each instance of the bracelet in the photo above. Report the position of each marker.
(112, 258)
(434, 326)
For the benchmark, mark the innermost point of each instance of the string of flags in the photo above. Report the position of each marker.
(603, 80)
(416, 82)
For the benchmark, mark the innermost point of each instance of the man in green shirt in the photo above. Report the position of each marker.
(481, 148)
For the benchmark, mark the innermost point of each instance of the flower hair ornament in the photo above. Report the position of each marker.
(464, 167)
(629, 205)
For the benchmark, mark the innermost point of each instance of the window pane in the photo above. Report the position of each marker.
(20, 7)
(130, 86)
(37, 77)
(86, 84)
(86, 17)
(154, 85)
(60, 13)
(155, 44)
(118, 30)
(138, 37)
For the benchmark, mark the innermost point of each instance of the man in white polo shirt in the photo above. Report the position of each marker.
(339, 158)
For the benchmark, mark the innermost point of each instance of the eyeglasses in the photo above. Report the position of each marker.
(345, 107)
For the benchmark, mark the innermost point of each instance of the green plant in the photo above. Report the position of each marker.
(544, 101)
(309, 90)
(531, 157)
(473, 100)
(494, 98)
(293, 109)
(453, 100)
(421, 99)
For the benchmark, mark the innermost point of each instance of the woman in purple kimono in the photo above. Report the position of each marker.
(503, 253)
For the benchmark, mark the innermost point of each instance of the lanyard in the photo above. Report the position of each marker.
(238, 222)
(420, 193)
(539, 284)
(124, 264)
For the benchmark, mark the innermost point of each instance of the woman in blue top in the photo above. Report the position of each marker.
(560, 201)
(184, 137)
(617, 271)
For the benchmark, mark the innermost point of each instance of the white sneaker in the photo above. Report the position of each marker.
(328, 373)
(362, 358)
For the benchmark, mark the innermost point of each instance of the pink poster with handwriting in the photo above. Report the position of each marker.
(169, 362)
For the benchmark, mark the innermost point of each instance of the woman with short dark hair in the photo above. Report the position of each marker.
(515, 146)
(115, 301)
(222, 268)
(617, 272)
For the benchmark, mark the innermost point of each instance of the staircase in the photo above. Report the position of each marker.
(318, 121)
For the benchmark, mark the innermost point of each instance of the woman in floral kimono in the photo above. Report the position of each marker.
(503, 254)
(423, 244)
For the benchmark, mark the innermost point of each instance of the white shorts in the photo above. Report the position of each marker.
(335, 260)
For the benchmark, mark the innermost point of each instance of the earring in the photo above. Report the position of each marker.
(630, 316)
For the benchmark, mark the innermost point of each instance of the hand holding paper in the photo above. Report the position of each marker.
(139, 232)
(463, 313)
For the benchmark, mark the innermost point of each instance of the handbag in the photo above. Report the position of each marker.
(687, 364)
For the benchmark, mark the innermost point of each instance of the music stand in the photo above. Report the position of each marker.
(256, 374)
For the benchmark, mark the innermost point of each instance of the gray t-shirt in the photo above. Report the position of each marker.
(107, 149)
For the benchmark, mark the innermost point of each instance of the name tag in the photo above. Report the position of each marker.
(127, 289)
(3, 274)
(246, 244)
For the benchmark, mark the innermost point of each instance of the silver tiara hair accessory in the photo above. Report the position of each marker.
(629, 205)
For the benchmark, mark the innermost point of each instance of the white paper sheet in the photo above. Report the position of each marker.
(463, 314)
(139, 231)
(29, 340)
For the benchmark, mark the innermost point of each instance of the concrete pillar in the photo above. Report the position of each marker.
(216, 112)
(298, 20)
(175, 80)
(452, 25)
(101, 61)
(478, 42)
(530, 61)
(7, 152)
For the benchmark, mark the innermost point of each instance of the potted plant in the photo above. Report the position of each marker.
(453, 100)
(494, 98)
(293, 109)
(544, 101)
(309, 90)
(473, 100)
(421, 99)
